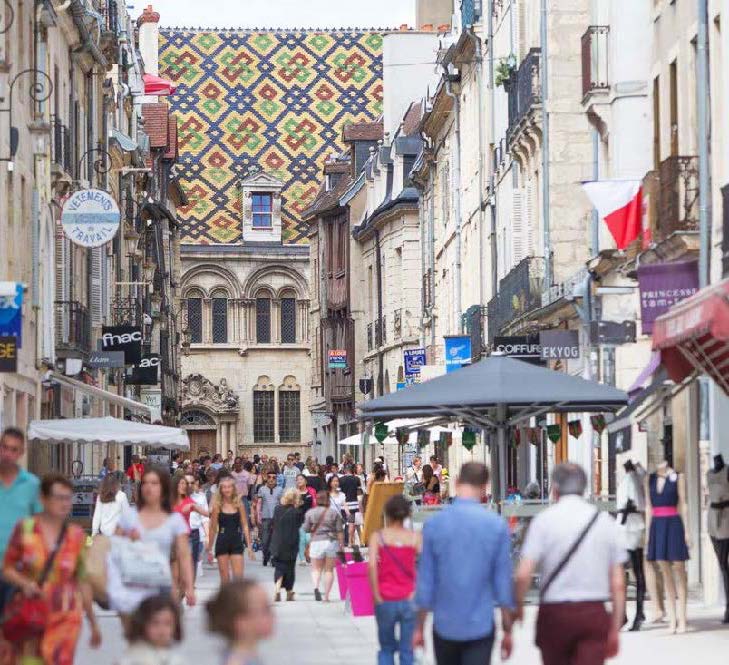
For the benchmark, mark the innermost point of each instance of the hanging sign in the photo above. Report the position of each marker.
(521, 347)
(106, 359)
(457, 351)
(11, 310)
(337, 359)
(574, 427)
(8, 354)
(380, 432)
(559, 344)
(123, 338)
(146, 373)
(90, 218)
(554, 433)
(413, 360)
(468, 440)
(662, 285)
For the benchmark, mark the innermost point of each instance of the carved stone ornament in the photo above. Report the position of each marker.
(198, 390)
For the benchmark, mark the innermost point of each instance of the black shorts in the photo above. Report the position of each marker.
(229, 542)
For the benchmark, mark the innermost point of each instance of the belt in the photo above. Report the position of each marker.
(719, 505)
(665, 511)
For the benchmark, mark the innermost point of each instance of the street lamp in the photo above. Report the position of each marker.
(131, 240)
(40, 133)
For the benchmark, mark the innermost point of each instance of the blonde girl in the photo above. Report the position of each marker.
(229, 522)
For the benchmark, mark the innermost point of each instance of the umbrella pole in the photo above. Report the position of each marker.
(501, 447)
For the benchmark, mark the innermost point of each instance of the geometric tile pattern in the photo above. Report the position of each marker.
(263, 100)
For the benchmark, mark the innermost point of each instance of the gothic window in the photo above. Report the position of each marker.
(196, 418)
(262, 208)
(220, 320)
(263, 416)
(263, 320)
(288, 320)
(194, 319)
(289, 416)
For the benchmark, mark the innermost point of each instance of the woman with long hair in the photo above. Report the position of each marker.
(432, 486)
(327, 539)
(229, 521)
(110, 504)
(285, 542)
(185, 506)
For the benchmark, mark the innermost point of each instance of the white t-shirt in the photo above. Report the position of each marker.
(586, 577)
(106, 515)
(197, 521)
(163, 536)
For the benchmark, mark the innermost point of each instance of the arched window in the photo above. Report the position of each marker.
(194, 317)
(263, 319)
(196, 418)
(220, 317)
(264, 411)
(288, 319)
(289, 411)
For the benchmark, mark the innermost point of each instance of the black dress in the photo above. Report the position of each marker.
(285, 544)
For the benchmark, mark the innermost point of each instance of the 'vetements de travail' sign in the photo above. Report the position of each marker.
(90, 218)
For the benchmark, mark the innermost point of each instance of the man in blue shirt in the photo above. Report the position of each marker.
(465, 571)
(18, 492)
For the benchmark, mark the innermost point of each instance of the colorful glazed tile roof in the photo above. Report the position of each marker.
(271, 100)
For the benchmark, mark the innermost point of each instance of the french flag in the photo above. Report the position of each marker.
(620, 204)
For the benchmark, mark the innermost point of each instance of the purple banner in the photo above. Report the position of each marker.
(662, 285)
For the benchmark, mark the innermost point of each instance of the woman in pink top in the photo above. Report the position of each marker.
(393, 552)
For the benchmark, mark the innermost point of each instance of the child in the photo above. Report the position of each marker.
(242, 614)
(154, 630)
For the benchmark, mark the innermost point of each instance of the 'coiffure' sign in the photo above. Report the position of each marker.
(123, 338)
(90, 218)
(521, 347)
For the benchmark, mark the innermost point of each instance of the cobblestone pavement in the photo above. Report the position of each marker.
(310, 633)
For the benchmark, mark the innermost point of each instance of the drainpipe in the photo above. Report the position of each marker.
(702, 96)
(457, 199)
(595, 218)
(423, 271)
(546, 240)
(378, 339)
(431, 251)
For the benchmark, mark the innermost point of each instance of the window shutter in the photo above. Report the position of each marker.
(531, 216)
(519, 240)
(62, 263)
(95, 296)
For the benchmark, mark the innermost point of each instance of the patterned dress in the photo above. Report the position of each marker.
(28, 552)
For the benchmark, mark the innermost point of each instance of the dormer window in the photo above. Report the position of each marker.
(262, 210)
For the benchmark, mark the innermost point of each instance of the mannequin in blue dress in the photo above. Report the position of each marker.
(668, 542)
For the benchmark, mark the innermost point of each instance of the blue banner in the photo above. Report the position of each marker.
(457, 352)
(11, 314)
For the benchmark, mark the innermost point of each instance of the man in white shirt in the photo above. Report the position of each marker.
(579, 557)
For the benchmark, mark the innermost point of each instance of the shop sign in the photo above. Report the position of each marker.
(123, 338)
(457, 351)
(413, 360)
(521, 347)
(8, 354)
(559, 344)
(106, 359)
(90, 218)
(145, 373)
(153, 399)
(365, 385)
(612, 332)
(621, 441)
(11, 310)
(337, 359)
(662, 285)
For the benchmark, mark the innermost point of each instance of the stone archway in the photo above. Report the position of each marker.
(214, 412)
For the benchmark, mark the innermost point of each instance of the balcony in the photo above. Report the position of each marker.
(61, 152)
(73, 329)
(595, 60)
(473, 321)
(524, 89)
(678, 196)
(520, 291)
(127, 311)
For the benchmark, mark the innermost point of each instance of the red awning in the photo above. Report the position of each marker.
(154, 85)
(694, 335)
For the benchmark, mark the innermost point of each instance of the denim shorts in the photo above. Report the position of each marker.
(323, 549)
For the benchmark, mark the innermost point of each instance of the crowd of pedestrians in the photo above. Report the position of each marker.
(459, 569)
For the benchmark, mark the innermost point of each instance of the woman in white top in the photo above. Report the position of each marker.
(337, 498)
(110, 504)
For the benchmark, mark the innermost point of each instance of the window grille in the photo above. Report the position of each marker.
(263, 416)
(263, 320)
(289, 416)
(220, 320)
(288, 320)
(262, 208)
(196, 418)
(194, 319)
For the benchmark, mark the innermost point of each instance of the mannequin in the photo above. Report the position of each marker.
(668, 544)
(717, 480)
(631, 521)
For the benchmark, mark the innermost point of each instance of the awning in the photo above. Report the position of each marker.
(640, 401)
(126, 143)
(108, 431)
(155, 85)
(694, 336)
(103, 395)
(356, 440)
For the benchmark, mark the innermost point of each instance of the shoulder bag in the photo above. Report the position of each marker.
(566, 558)
(26, 618)
(318, 524)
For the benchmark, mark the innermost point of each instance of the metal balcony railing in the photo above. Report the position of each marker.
(370, 336)
(127, 311)
(524, 89)
(73, 326)
(61, 152)
(678, 195)
(595, 59)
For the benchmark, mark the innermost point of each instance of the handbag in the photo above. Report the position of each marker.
(95, 566)
(26, 618)
(140, 564)
(319, 522)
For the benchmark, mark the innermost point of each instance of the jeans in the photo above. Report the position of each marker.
(304, 540)
(388, 614)
(266, 533)
(456, 652)
(195, 547)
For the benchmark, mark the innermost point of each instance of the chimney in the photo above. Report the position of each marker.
(148, 24)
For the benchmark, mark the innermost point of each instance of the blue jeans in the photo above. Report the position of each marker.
(388, 614)
(304, 540)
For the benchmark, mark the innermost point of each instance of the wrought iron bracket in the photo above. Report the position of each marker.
(8, 18)
(101, 165)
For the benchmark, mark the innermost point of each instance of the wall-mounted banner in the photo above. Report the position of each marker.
(413, 360)
(8, 354)
(153, 399)
(662, 285)
(521, 347)
(457, 351)
(90, 218)
(106, 359)
(337, 358)
(146, 373)
(559, 344)
(123, 338)
(11, 310)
